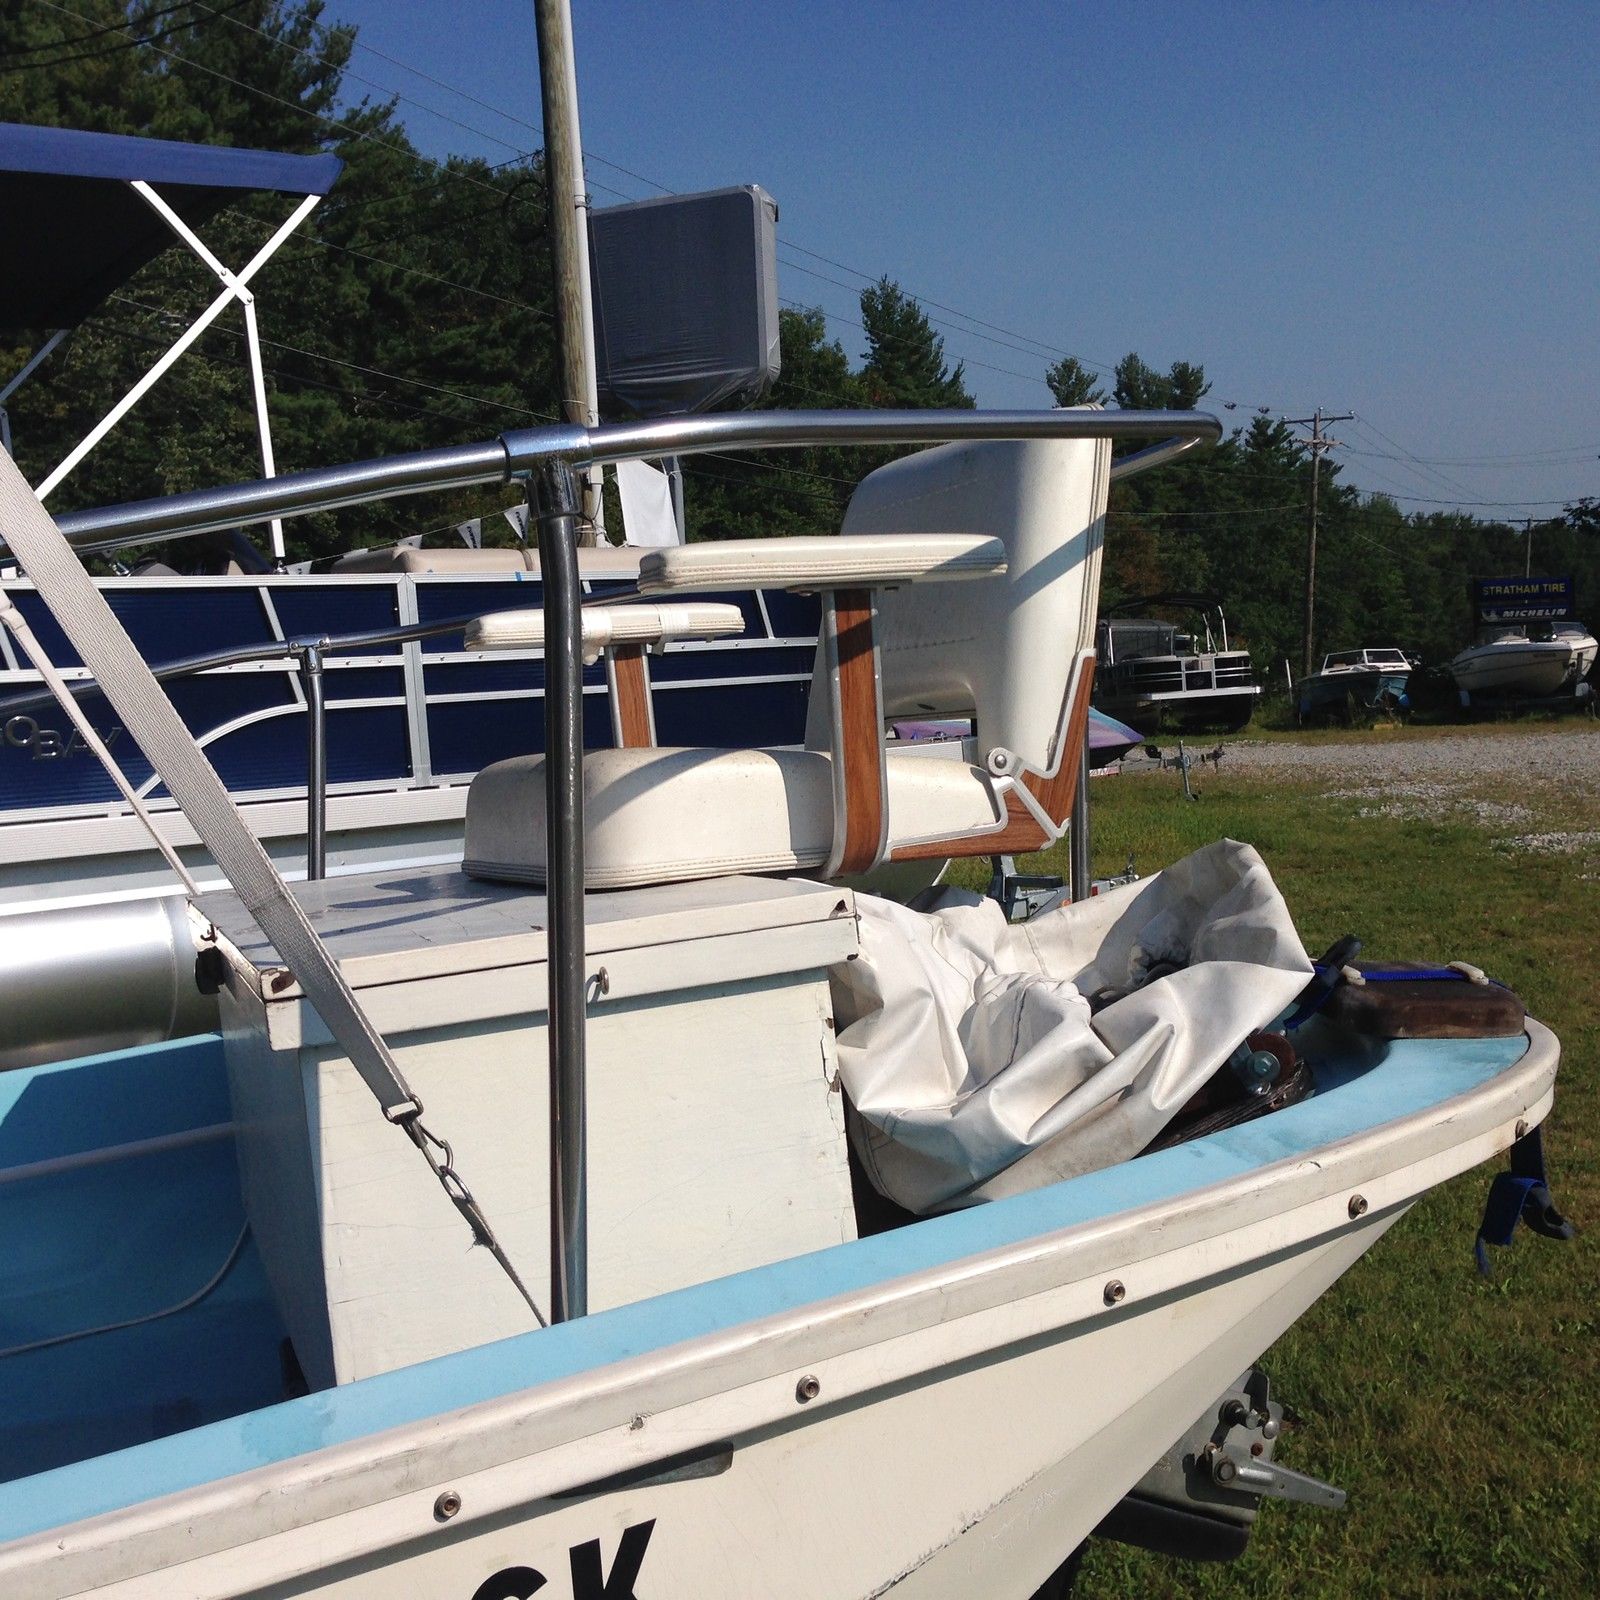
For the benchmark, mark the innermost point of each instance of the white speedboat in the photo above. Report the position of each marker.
(1531, 661)
(883, 1251)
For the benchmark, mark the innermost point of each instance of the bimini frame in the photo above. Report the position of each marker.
(86, 239)
(549, 461)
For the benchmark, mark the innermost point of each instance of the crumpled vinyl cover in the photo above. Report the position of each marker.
(968, 1052)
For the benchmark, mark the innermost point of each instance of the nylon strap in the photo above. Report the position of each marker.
(81, 612)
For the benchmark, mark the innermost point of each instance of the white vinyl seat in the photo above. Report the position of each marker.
(623, 633)
(730, 811)
(605, 626)
(964, 584)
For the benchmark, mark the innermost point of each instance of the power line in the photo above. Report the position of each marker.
(109, 50)
(93, 33)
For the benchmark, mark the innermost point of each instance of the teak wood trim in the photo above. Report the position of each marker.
(860, 814)
(633, 719)
(1021, 833)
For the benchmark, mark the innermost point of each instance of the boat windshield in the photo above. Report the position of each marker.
(1341, 658)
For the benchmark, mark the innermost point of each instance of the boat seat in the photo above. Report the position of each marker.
(963, 584)
(665, 815)
(623, 633)
(598, 561)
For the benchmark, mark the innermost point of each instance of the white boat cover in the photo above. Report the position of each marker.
(966, 1044)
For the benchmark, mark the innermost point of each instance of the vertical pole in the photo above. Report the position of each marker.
(674, 471)
(567, 204)
(33, 363)
(316, 763)
(1311, 544)
(1319, 443)
(258, 388)
(1527, 558)
(1078, 869)
(556, 504)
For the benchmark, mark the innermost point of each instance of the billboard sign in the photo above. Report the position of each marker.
(1522, 599)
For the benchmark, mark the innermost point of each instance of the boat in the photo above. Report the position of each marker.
(1525, 660)
(1153, 673)
(1374, 680)
(410, 716)
(756, 1307)
(371, 640)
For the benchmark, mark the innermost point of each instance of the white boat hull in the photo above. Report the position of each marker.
(971, 1423)
(1530, 667)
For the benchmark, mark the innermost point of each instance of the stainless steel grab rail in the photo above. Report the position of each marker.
(522, 451)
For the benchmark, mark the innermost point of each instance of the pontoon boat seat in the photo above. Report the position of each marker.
(1020, 525)
(600, 561)
(623, 633)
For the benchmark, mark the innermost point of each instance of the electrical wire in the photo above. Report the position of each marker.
(200, 1294)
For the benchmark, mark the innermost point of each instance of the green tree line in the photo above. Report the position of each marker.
(414, 310)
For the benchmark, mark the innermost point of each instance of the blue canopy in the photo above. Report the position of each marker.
(75, 230)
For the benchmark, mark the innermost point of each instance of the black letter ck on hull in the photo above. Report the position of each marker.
(588, 1583)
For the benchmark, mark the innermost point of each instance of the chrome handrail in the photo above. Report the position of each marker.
(521, 451)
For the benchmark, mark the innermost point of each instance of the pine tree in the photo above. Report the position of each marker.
(1073, 384)
(905, 367)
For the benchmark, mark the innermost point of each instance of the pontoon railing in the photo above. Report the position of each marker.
(548, 459)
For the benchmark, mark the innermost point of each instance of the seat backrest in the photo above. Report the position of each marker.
(1003, 648)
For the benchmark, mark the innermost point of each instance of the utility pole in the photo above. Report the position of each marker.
(1527, 558)
(1319, 443)
(568, 211)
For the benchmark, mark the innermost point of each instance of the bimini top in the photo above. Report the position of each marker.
(76, 229)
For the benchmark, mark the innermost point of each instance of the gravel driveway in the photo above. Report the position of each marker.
(1536, 791)
(1564, 756)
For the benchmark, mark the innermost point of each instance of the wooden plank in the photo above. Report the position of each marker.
(857, 732)
(632, 717)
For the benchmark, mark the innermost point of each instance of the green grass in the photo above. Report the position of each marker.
(1462, 1416)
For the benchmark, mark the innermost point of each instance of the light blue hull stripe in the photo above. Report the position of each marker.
(1414, 1075)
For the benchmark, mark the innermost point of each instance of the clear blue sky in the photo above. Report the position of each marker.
(1392, 210)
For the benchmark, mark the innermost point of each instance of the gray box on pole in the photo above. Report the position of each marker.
(685, 301)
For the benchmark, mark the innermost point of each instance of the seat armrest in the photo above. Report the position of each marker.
(608, 625)
(848, 561)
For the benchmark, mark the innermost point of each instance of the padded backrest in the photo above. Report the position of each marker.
(1001, 648)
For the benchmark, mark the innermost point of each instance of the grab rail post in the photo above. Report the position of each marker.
(555, 494)
(1078, 839)
(311, 681)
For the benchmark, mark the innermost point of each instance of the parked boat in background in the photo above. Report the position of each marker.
(1355, 680)
(1532, 660)
(1153, 673)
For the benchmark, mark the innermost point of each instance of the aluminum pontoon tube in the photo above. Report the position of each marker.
(524, 450)
(102, 977)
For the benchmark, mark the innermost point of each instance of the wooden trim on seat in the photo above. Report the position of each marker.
(633, 721)
(859, 808)
(1021, 833)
